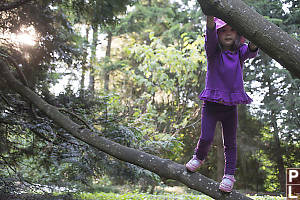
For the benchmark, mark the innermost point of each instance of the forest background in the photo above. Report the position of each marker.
(133, 70)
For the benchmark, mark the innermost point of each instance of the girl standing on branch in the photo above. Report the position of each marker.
(226, 52)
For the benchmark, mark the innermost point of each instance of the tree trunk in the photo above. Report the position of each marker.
(278, 154)
(84, 62)
(277, 144)
(266, 35)
(107, 54)
(93, 59)
(162, 167)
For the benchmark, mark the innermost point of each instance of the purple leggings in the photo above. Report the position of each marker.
(227, 115)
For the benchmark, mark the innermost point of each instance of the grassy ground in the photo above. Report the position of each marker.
(162, 193)
(138, 196)
(127, 192)
(125, 196)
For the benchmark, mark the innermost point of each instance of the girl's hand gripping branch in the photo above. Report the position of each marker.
(252, 47)
(210, 23)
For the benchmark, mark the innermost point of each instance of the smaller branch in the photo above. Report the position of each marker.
(15, 64)
(64, 138)
(79, 118)
(12, 5)
(187, 126)
(8, 164)
(7, 102)
(40, 135)
(12, 61)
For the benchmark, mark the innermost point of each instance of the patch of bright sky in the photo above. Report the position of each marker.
(286, 7)
(26, 36)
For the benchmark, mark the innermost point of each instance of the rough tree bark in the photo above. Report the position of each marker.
(163, 167)
(266, 35)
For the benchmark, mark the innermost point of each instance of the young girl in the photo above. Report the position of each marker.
(226, 52)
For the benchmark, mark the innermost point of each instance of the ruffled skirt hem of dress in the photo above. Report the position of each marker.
(225, 98)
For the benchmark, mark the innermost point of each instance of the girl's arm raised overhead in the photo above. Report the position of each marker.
(211, 37)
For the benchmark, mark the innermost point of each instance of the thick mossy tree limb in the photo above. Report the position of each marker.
(163, 167)
(267, 36)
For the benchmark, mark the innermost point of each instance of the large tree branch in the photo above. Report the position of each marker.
(266, 35)
(162, 167)
(12, 5)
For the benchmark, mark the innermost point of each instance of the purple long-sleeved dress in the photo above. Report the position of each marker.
(224, 77)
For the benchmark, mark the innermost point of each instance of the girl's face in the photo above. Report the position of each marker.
(227, 37)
